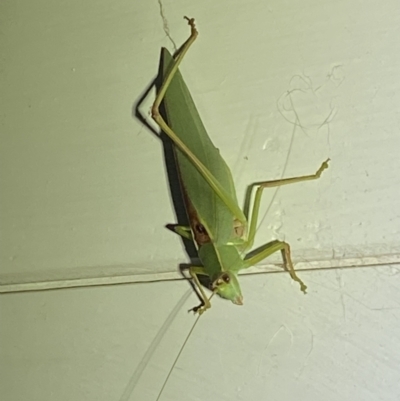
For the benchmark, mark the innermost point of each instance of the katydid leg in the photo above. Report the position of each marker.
(174, 68)
(268, 249)
(194, 272)
(203, 170)
(269, 184)
(275, 246)
(183, 231)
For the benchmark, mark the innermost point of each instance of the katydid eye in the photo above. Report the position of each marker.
(222, 279)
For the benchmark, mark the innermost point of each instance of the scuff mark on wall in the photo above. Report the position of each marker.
(165, 25)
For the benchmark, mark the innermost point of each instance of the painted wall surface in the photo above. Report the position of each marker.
(339, 342)
(84, 200)
(280, 89)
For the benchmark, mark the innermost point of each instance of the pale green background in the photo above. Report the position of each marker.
(84, 200)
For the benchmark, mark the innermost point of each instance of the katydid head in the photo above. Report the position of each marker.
(227, 286)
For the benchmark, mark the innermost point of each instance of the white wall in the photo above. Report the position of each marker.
(84, 200)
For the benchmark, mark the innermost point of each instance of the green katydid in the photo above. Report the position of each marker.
(218, 226)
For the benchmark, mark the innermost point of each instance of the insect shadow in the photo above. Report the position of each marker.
(173, 177)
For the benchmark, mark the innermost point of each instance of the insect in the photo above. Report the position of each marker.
(218, 226)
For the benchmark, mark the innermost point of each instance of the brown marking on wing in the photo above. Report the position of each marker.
(199, 231)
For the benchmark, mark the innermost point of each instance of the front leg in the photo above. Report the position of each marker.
(205, 301)
(268, 249)
(183, 231)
